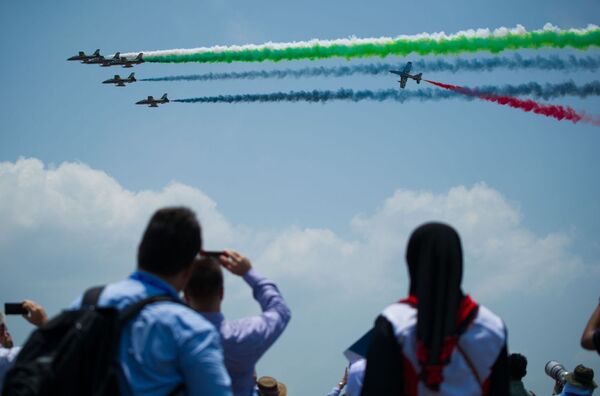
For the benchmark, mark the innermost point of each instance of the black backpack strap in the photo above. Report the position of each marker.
(91, 296)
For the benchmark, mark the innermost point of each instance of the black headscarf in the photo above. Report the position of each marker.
(434, 257)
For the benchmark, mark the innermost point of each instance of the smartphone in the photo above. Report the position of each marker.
(14, 309)
(212, 253)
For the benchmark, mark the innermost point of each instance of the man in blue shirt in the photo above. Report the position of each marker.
(167, 345)
(244, 340)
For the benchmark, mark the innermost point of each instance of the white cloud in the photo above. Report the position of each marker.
(85, 225)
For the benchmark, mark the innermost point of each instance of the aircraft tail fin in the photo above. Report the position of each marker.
(97, 52)
(131, 77)
(164, 97)
(418, 77)
(140, 55)
(117, 55)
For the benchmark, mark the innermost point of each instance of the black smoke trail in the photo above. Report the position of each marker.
(536, 90)
(515, 62)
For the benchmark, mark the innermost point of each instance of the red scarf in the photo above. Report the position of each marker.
(431, 374)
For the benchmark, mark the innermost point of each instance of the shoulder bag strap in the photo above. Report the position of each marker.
(91, 296)
(471, 366)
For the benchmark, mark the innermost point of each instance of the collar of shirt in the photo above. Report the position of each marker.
(154, 281)
(216, 318)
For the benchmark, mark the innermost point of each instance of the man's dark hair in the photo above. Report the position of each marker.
(517, 364)
(206, 280)
(171, 241)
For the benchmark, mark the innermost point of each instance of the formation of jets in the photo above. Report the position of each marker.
(117, 60)
(404, 75)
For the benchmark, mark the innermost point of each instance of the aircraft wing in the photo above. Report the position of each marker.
(398, 72)
(403, 81)
(407, 68)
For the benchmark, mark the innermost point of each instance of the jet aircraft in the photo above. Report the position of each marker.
(120, 82)
(118, 60)
(151, 102)
(81, 56)
(130, 62)
(96, 60)
(404, 75)
(114, 61)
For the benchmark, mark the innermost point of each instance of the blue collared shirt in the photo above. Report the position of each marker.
(246, 340)
(166, 344)
(572, 390)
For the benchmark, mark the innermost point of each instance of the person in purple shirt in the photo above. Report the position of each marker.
(244, 340)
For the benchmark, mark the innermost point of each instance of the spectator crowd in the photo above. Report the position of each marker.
(162, 331)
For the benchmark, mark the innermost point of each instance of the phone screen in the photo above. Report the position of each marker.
(212, 253)
(14, 309)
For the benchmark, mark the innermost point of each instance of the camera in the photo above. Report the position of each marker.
(556, 371)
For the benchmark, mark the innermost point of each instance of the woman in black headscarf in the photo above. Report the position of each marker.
(437, 341)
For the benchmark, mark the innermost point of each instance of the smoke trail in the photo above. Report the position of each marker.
(545, 91)
(555, 111)
(437, 43)
(326, 96)
(440, 65)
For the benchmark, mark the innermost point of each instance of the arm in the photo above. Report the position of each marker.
(587, 338)
(383, 375)
(338, 388)
(335, 391)
(499, 378)
(258, 333)
(201, 360)
(275, 312)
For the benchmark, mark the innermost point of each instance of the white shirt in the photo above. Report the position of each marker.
(7, 357)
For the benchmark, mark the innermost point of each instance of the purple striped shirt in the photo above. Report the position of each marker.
(246, 340)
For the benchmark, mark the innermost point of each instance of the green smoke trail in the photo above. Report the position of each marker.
(402, 46)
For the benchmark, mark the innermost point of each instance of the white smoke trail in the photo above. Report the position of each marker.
(483, 33)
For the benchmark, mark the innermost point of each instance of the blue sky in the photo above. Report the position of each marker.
(313, 193)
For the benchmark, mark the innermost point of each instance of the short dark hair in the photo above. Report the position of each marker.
(206, 280)
(171, 241)
(517, 365)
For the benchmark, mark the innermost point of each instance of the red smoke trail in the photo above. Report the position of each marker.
(554, 111)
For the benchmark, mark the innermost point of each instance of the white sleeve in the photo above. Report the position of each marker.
(7, 357)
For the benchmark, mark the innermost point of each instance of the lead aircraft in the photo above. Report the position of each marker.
(404, 75)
